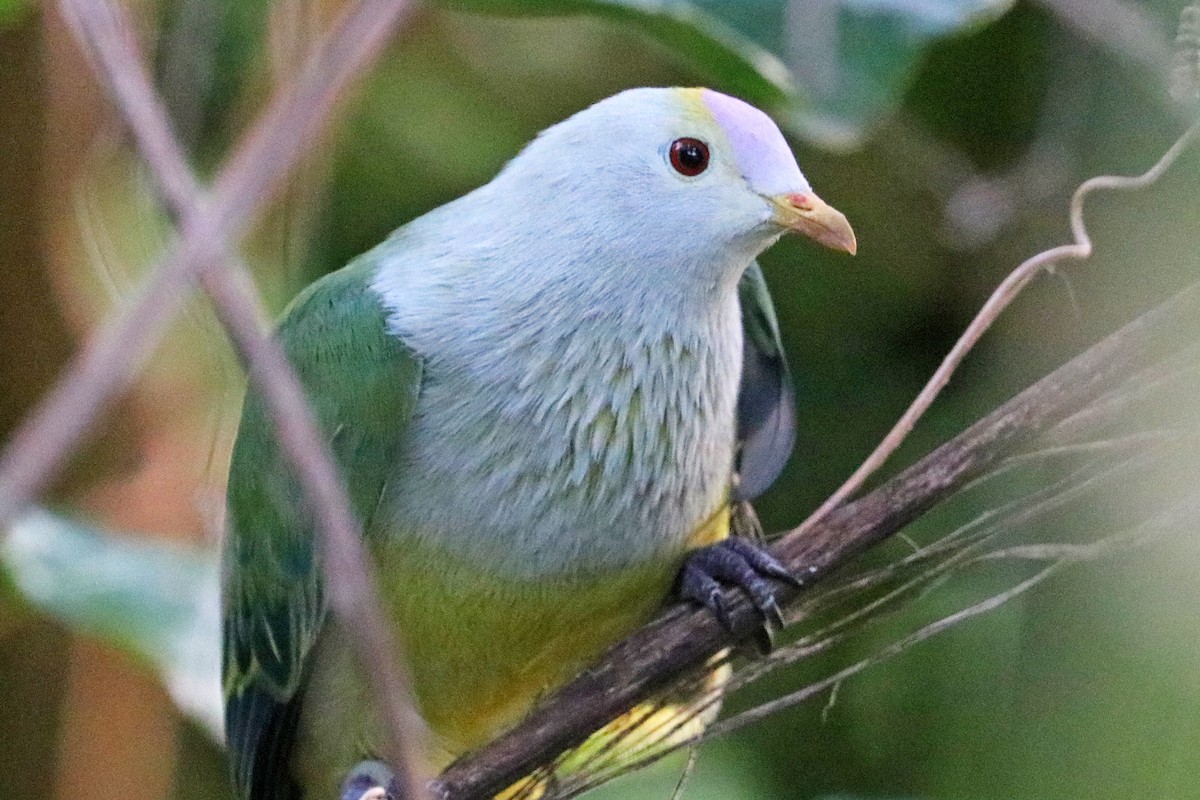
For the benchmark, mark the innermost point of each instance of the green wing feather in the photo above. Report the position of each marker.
(362, 383)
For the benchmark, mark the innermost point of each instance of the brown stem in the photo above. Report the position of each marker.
(682, 639)
(208, 230)
(110, 360)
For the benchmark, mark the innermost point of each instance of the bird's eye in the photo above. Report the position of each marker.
(689, 156)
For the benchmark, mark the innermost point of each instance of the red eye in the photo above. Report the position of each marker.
(689, 156)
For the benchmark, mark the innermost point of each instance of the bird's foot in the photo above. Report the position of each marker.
(369, 780)
(741, 563)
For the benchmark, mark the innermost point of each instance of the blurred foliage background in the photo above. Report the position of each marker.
(951, 133)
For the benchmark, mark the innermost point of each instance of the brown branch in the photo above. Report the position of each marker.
(951, 553)
(349, 580)
(1178, 516)
(682, 639)
(105, 33)
(270, 150)
(110, 360)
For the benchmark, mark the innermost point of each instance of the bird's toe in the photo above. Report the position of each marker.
(369, 780)
(736, 562)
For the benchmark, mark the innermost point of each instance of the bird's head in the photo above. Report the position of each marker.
(687, 171)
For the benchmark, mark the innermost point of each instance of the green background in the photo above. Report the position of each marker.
(950, 133)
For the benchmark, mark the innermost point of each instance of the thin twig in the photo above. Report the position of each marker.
(349, 583)
(684, 638)
(106, 34)
(1000, 299)
(1174, 518)
(688, 767)
(949, 555)
(349, 580)
(110, 360)
(894, 649)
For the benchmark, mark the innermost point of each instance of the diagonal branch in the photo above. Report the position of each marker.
(1171, 519)
(207, 228)
(110, 360)
(349, 580)
(683, 639)
(207, 231)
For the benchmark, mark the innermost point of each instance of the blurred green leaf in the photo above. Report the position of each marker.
(13, 11)
(828, 69)
(157, 600)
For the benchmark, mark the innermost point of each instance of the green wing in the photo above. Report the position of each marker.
(766, 397)
(363, 384)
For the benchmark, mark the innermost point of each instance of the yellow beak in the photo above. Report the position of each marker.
(816, 219)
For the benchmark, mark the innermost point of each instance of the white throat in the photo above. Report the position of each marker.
(588, 423)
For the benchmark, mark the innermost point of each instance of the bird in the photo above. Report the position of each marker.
(545, 398)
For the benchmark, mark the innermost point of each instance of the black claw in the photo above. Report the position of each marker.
(717, 604)
(764, 562)
(764, 639)
(739, 563)
(368, 776)
(697, 585)
(774, 613)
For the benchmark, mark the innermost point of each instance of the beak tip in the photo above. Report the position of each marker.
(813, 217)
(837, 235)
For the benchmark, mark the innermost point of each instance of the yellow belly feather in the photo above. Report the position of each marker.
(482, 650)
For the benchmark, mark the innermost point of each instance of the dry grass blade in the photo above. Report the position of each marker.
(1172, 520)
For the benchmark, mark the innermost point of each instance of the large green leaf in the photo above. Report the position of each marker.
(827, 69)
(157, 600)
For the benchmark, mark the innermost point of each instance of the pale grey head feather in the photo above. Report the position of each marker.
(579, 324)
